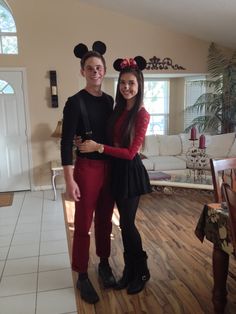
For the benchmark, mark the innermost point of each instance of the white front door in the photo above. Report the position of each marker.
(14, 154)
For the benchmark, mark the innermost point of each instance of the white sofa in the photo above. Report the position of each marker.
(168, 152)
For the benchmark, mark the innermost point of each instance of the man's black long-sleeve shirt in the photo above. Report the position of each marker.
(99, 110)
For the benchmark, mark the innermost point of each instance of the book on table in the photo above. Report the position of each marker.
(158, 175)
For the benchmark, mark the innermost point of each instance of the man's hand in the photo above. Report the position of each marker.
(72, 191)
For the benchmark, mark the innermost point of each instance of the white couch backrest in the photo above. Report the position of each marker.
(170, 145)
(151, 147)
(220, 145)
(162, 145)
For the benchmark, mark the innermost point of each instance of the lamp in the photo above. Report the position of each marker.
(58, 130)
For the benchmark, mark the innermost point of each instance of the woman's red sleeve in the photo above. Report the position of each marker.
(141, 125)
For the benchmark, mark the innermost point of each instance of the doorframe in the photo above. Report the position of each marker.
(27, 116)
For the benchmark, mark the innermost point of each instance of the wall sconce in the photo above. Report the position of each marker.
(53, 83)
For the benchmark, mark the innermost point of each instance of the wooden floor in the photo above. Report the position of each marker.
(180, 265)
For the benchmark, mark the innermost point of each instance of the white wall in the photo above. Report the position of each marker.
(48, 32)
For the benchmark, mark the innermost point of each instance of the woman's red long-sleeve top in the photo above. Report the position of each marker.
(141, 124)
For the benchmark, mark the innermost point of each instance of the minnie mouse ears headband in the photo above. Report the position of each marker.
(138, 63)
(81, 49)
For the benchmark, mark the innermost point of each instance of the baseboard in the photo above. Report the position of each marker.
(47, 187)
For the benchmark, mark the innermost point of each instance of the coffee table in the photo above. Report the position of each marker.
(183, 179)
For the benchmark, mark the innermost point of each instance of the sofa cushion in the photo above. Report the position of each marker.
(148, 164)
(219, 145)
(170, 145)
(151, 146)
(168, 163)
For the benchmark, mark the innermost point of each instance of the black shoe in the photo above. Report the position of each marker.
(87, 291)
(124, 281)
(141, 275)
(105, 273)
(138, 283)
(128, 273)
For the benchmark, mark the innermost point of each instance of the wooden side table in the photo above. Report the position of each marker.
(56, 170)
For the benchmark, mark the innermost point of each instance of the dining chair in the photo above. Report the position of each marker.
(223, 171)
(230, 198)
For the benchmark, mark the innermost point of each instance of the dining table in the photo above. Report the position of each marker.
(213, 225)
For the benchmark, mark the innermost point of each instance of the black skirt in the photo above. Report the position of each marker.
(129, 178)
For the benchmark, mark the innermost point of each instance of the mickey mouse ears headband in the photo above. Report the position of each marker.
(81, 49)
(138, 63)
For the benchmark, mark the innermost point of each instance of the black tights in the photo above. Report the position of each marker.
(130, 235)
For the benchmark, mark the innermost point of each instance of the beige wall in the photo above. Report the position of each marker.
(48, 32)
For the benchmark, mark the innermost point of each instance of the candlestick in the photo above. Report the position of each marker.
(193, 134)
(202, 142)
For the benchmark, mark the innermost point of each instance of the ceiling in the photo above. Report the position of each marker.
(210, 20)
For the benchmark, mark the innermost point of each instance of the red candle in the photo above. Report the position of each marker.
(202, 142)
(193, 133)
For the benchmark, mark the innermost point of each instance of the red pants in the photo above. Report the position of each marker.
(93, 179)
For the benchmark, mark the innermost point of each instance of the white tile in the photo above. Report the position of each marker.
(53, 235)
(28, 219)
(3, 252)
(53, 225)
(56, 302)
(18, 304)
(56, 279)
(20, 284)
(53, 262)
(53, 247)
(21, 251)
(5, 240)
(21, 266)
(26, 238)
(27, 228)
(2, 263)
(7, 229)
(8, 221)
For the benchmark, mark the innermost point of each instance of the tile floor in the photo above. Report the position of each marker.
(35, 273)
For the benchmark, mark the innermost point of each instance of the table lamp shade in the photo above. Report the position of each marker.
(58, 130)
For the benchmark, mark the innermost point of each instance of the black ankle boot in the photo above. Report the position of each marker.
(128, 273)
(87, 291)
(141, 275)
(106, 275)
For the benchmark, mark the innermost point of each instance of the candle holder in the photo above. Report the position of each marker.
(197, 161)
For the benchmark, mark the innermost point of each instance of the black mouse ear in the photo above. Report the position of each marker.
(117, 64)
(80, 50)
(100, 47)
(141, 62)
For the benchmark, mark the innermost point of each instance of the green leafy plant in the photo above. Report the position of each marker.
(216, 109)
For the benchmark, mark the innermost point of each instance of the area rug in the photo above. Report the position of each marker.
(6, 199)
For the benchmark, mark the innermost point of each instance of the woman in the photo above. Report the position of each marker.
(127, 128)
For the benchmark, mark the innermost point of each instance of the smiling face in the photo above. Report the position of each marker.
(93, 71)
(128, 86)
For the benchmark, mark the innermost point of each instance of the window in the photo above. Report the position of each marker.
(156, 101)
(8, 38)
(194, 88)
(5, 88)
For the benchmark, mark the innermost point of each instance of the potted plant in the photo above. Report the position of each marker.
(216, 108)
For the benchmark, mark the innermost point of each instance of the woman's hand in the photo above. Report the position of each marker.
(88, 146)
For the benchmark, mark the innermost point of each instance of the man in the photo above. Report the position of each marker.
(89, 183)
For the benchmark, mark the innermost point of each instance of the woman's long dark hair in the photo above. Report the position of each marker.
(127, 129)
